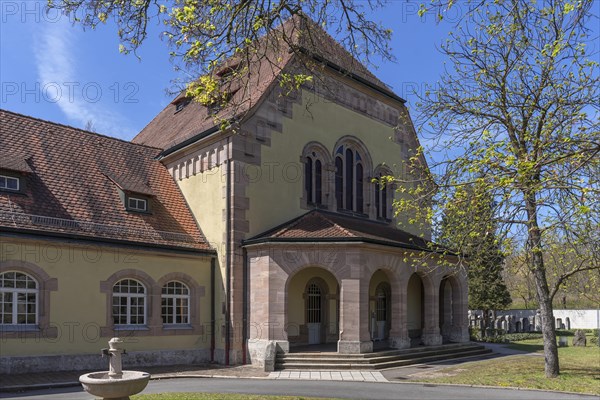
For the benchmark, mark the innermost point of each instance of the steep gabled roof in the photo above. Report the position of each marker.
(323, 226)
(67, 189)
(169, 128)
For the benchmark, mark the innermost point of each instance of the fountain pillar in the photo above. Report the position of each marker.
(114, 384)
(115, 363)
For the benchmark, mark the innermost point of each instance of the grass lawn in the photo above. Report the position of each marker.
(217, 396)
(579, 370)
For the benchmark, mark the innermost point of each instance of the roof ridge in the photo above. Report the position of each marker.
(335, 43)
(293, 40)
(45, 121)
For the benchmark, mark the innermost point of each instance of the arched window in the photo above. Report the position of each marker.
(313, 179)
(129, 303)
(18, 299)
(349, 177)
(316, 159)
(383, 195)
(175, 303)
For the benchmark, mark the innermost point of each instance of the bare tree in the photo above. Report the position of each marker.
(227, 48)
(517, 114)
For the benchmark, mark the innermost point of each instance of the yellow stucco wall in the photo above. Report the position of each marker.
(204, 193)
(78, 309)
(205, 196)
(276, 186)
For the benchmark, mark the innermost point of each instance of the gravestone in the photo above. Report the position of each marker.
(579, 338)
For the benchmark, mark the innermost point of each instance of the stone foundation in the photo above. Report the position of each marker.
(95, 362)
(262, 353)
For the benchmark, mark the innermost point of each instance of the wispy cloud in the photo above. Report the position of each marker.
(61, 81)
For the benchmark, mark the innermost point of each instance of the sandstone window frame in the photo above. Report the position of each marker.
(16, 295)
(154, 324)
(316, 176)
(184, 297)
(352, 166)
(45, 284)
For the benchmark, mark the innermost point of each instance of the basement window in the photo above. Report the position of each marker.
(137, 204)
(9, 183)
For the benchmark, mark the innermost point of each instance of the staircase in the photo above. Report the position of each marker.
(380, 360)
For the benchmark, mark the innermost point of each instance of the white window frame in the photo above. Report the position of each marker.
(15, 300)
(130, 296)
(6, 179)
(176, 297)
(137, 201)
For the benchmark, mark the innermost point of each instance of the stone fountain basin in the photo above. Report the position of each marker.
(101, 385)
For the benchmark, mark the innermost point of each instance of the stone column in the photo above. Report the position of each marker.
(399, 332)
(267, 334)
(431, 327)
(354, 317)
(460, 318)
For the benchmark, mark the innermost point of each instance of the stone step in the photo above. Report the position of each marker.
(377, 358)
(421, 360)
(379, 362)
(412, 350)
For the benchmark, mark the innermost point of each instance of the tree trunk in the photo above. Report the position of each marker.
(543, 292)
(485, 318)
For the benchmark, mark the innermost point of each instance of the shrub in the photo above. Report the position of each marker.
(474, 334)
(565, 332)
(594, 339)
(500, 337)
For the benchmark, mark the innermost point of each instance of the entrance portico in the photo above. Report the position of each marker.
(305, 292)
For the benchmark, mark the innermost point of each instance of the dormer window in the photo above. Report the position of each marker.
(135, 196)
(14, 170)
(10, 183)
(228, 70)
(137, 204)
(181, 103)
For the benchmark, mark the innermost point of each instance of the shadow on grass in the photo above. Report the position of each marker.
(530, 348)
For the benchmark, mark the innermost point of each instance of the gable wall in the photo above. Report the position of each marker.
(275, 183)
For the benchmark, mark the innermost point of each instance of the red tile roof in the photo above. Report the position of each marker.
(323, 226)
(170, 128)
(68, 190)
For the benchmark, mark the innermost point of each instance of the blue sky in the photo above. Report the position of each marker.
(53, 70)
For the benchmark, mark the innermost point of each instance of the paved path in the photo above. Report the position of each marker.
(354, 376)
(371, 385)
(346, 390)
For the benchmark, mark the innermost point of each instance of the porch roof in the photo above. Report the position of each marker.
(324, 226)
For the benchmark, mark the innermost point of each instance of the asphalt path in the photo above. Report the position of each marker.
(346, 390)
